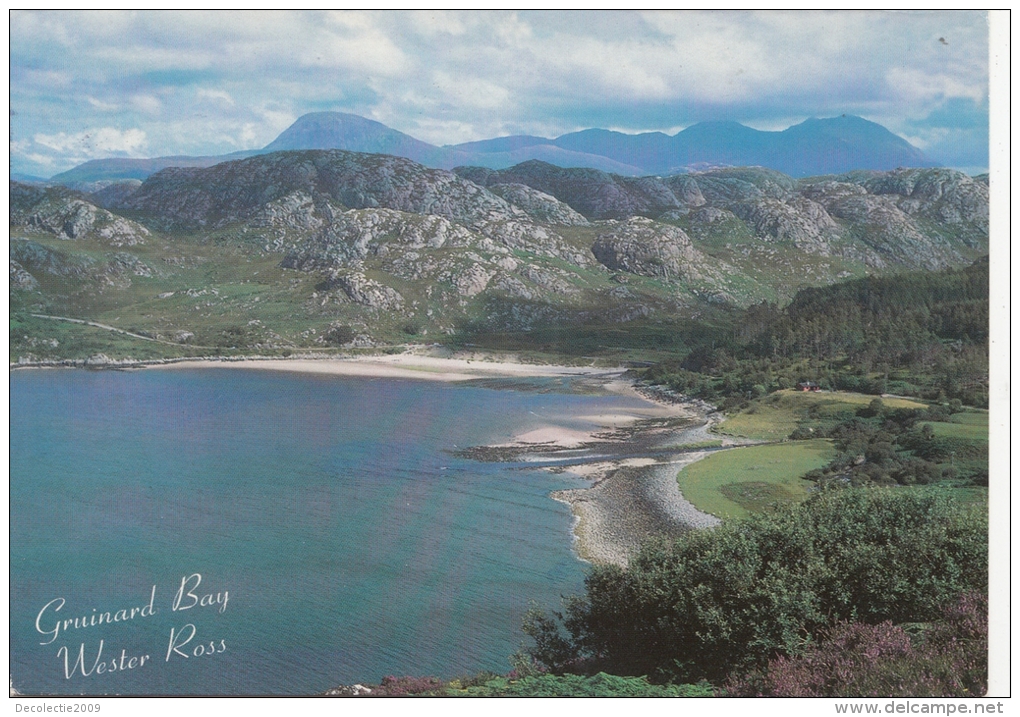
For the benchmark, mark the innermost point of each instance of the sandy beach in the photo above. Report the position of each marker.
(414, 366)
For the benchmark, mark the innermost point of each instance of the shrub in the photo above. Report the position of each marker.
(860, 660)
(404, 686)
(598, 685)
(739, 595)
(339, 335)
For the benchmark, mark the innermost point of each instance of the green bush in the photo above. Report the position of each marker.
(737, 596)
(339, 335)
(859, 660)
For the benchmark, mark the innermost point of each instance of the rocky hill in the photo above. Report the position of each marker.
(235, 191)
(324, 248)
(895, 218)
(593, 193)
(68, 215)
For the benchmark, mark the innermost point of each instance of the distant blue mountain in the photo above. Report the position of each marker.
(27, 178)
(639, 150)
(501, 144)
(338, 130)
(813, 147)
(118, 168)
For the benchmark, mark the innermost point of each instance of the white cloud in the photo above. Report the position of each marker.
(48, 80)
(215, 95)
(469, 92)
(147, 104)
(276, 120)
(248, 135)
(102, 106)
(95, 143)
(209, 82)
(368, 51)
(433, 23)
(928, 87)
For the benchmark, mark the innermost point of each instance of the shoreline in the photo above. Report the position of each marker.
(632, 497)
(628, 506)
(633, 469)
(404, 365)
(413, 366)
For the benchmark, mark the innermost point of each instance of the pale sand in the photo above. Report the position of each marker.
(558, 436)
(428, 368)
(554, 435)
(633, 415)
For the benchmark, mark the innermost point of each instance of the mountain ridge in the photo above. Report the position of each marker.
(815, 146)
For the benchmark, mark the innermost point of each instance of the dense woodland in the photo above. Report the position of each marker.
(919, 334)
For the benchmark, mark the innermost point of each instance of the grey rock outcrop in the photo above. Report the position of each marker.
(68, 216)
(123, 263)
(594, 193)
(36, 257)
(534, 238)
(642, 246)
(473, 280)
(362, 290)
(541, 207)
(943, 196)
(548, 279)
(295, 211)
(885, 233)
(356, 234)
(20, 279)
(801, 221)
(708, 220)
(513, 286)
(722, 187)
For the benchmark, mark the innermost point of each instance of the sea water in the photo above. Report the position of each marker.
(233, 531)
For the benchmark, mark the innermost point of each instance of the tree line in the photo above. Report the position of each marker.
(922, 334)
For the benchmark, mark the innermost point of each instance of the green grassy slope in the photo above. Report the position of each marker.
(740, 481)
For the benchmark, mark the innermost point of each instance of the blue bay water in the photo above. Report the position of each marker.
(348, 545)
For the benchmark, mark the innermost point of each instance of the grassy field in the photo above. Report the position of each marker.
(734, 483)
(76, 341)
(976, 496)
(777, 415)
(968, 426)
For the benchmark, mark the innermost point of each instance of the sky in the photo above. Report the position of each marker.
(88, 85)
